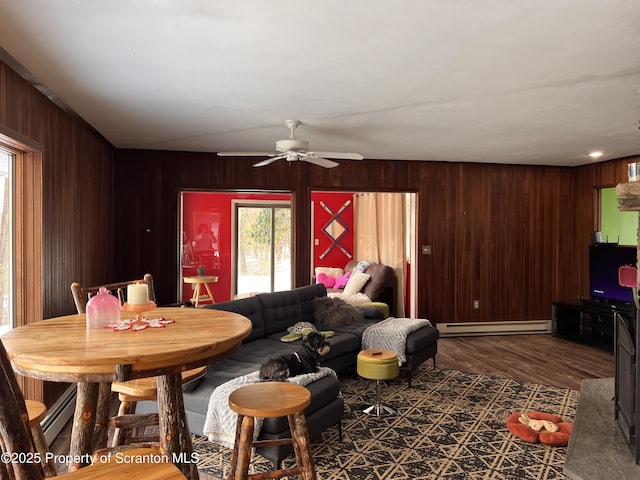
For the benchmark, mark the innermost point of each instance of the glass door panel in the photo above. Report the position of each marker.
(263, 248)
(282, 249)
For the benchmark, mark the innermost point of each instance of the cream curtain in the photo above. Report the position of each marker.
(379, 222)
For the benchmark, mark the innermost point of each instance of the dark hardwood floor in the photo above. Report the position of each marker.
(535, 358)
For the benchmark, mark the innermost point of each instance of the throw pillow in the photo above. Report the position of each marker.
(334, 272)
(326, 280)
(356, 282)
(332, 312)
(341, 282)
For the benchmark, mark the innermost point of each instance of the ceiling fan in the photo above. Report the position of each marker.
(292, 149)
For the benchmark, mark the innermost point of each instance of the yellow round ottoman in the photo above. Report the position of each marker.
(378, 364)
(383, 307)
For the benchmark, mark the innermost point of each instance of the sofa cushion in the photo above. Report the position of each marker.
(342, 281)
(356, 282)
(326, 280)
(371, 313)
(356, 329)
(280, 310)
(306, 295)
(249, 307)
(382, 276)
(416, 341)
(333, 272)
(341, 344)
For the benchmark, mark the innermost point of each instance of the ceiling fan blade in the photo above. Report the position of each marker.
(340, 155)
(323, 162)
(268, 161)
(246, 154)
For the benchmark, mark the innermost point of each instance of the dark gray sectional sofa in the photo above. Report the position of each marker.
(271, 314)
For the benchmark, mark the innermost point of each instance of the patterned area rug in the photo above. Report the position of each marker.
(450, 425)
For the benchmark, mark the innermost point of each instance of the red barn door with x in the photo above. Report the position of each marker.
(333, 228)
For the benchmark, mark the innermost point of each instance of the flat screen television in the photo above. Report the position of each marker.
(604, 262)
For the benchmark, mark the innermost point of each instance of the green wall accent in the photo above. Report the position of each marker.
(614, 222)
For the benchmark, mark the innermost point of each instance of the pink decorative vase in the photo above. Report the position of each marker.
(102, 309)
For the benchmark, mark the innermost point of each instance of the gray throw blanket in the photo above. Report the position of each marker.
(220, 422)
(391, 334)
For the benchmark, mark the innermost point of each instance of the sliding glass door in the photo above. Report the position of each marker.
(262, 247)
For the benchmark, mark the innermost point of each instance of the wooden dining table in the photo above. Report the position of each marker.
(62, 349)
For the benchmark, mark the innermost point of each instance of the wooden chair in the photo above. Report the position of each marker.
(18, 441)
(36, 412)
(81, 295)
(131, 392)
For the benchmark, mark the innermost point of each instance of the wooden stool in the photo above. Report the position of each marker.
(378, 365)
(199, 280)
(268, 400)
(138, 390)
(37, 412)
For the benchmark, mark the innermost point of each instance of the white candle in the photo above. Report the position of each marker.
(137, 293)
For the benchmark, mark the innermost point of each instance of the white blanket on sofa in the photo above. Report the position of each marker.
(391, 334)
(220, 422)
(355, 299)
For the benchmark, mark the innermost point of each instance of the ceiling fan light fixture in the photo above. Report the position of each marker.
(292, 149)
(291, 145)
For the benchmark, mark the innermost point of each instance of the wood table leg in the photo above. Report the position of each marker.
(244, 444)
(301, 437)
(175, 437)
(196, 294)
(84, 421)
(213, 300)
(236, 446)
(101, 429)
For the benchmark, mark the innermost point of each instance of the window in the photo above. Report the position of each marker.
(7, 320)
(24, 213)
(263, 247)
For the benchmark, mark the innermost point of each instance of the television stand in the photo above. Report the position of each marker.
(586, 321)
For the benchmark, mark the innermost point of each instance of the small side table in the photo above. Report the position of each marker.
(378, 364)
(198, 281)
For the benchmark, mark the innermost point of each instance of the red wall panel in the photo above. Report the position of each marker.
(215, 210)
(336, 208)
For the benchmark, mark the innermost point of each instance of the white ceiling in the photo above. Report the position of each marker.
(501, 81)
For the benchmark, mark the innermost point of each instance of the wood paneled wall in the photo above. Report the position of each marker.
(77, 195)
(513, 237)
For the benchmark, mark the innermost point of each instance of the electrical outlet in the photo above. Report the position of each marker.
(476, 304)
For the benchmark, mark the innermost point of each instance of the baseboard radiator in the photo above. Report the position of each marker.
(494, 328)
(59, 414)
